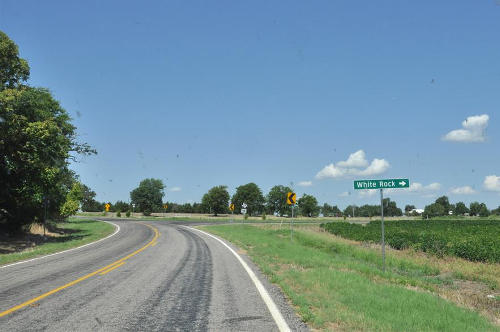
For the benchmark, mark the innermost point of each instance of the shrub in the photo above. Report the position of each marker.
(245, 216)
(263, 216)
(118, 214)
(127, 214)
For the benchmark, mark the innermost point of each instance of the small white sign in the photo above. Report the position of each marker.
(244, 205)
(244, 211)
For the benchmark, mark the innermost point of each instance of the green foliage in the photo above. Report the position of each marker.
(276, 200)
(263, 216)
(250, 194)
(148, 196)
(37, 140)
(445, 203)
(121, 206)
(309, 205)
(118, 214)
(433, 210)
(127, 214)
(330, 211)
(479, 209)
(217, 199)
(13, 69)
(245, 216)
(89, 204)
(460, 209)
(475, 240)
(73, 199)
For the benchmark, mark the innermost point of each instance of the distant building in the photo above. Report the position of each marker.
(416, 211)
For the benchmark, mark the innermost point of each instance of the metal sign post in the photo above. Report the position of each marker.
(383, 231)
(291, 198)
(381, 184)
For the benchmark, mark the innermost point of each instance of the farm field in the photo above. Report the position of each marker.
(471, 239)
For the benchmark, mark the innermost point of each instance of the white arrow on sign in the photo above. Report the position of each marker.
(402, 183)
(244, 205)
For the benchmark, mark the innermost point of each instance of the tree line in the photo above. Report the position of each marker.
(148, 198)
(443, 207)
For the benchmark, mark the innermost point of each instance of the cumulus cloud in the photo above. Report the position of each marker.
(474, 130)
(492, 183)
(355, 165)
(305, 183)
(465, 190)
(344, 194)
(417, 187)
(175, 189)
(367, 193)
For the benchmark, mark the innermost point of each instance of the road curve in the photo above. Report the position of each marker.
(151, 276)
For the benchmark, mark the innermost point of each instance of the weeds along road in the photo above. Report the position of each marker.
(150, 276)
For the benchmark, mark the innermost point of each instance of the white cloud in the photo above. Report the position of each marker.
(465, 190)
(175, 189)
(492, 183)
(305, 183)
(416, 187)
(356, 159)
(367, 192)
(355, 165)
(344, 194)
(474, 130)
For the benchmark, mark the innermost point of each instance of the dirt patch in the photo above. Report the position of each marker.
(9, 245)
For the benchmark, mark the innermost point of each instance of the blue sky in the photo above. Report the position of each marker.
(203, 93)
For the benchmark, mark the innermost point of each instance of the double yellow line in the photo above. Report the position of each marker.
(102, 271)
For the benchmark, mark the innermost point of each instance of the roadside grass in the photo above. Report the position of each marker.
(75, 232)
(339, 285)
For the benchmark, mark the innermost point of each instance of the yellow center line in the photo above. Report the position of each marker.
(74, 282)
(111, 269)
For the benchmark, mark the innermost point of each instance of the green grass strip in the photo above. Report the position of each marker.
(80, 232)
(339, 286)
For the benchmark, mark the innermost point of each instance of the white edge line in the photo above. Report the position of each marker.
(278, 318)
(117, 229)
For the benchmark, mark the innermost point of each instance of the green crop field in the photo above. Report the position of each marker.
(474, 240)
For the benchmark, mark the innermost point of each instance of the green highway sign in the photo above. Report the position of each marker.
(381, 184)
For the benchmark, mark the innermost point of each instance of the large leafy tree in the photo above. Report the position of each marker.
(308, 205)
(445, 203)
(479, 209)
(37, 142)
(461, 209)
(276, 200)
(148, 196)
(433, 210)
(89, 203)
(216, 200)
(250, 194)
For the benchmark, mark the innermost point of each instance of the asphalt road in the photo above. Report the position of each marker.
(150, 276)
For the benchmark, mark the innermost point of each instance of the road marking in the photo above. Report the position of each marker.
(278, 318)
(117, 229)
(74, 282)
(112, 268)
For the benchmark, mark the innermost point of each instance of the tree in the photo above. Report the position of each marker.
(445, 203)
(409, 208)
(460, 209)
(37, 141)
(309, 205)
(479, 209)
(433, 210)
(121, 206)
(391, 209)
(13, 69)
(217, 199)
(148, 196)
(330, 211)
(352, 210)
(496, 211)
(89, 204)
(73, 200)
(276, 200)
(250, 194)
